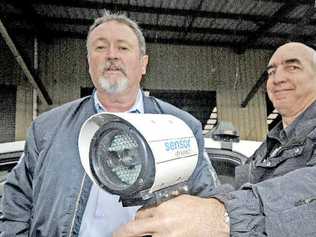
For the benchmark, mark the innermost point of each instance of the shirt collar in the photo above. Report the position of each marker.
(138, 105)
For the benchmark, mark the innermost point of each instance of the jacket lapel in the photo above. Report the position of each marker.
(150, 106)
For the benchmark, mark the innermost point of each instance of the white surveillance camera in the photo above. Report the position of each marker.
(143, 158)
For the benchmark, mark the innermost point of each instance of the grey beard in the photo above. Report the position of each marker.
(113, 88)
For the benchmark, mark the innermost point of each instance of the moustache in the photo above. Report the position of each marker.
(110, 65)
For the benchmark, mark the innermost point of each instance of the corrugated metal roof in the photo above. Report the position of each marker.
(225, 24)
(282, 27)
(270, 41)
(239, 24)
(299, 11)
(145, 18)
(8, 8)
(242, 6)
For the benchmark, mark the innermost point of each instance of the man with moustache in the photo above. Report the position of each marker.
(48, 193)
(278, 195)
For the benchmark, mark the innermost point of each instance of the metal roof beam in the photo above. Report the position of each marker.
(30, 15)
(190, 20)
(297, 32)
(30, 75)
(255, 19)
(175, 29)
(83, 35)
(118, 6)
(173, 41)
(252, 39)
(286, 1)
(254, 89)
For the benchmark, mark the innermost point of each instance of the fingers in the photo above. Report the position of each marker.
(138, 227)
(145, 213)
(160, 210)
(146, 222)
(132, 229)
(184, 216)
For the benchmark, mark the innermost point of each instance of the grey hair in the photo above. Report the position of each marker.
(121, 18)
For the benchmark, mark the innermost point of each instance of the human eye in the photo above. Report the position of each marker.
(123, 48)
(271, 72)
(292, 67)
(100, 47)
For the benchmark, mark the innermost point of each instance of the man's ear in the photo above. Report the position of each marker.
(88, 62)
(145, 63)
(88, 57)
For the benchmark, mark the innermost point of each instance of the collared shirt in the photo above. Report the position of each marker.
(104, 213)
(138, 106)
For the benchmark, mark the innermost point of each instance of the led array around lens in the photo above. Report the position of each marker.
(127, 175)
(121, 142)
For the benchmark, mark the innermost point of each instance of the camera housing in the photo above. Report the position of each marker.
(143, 158)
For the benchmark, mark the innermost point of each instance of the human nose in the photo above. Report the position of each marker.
(112, 53)
(278, 76)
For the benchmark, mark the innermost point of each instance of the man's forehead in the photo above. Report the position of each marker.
(114, 29)
(291, 53)
(285, 60)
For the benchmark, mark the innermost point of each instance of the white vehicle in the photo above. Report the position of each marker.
(10, 150)
(225, 153)
(225, 156)
(10, 153)
(243, 147)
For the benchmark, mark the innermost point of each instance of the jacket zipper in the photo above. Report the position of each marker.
(77, 204)
(305, 201)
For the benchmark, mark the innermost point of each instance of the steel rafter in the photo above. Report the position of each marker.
(262, 29)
